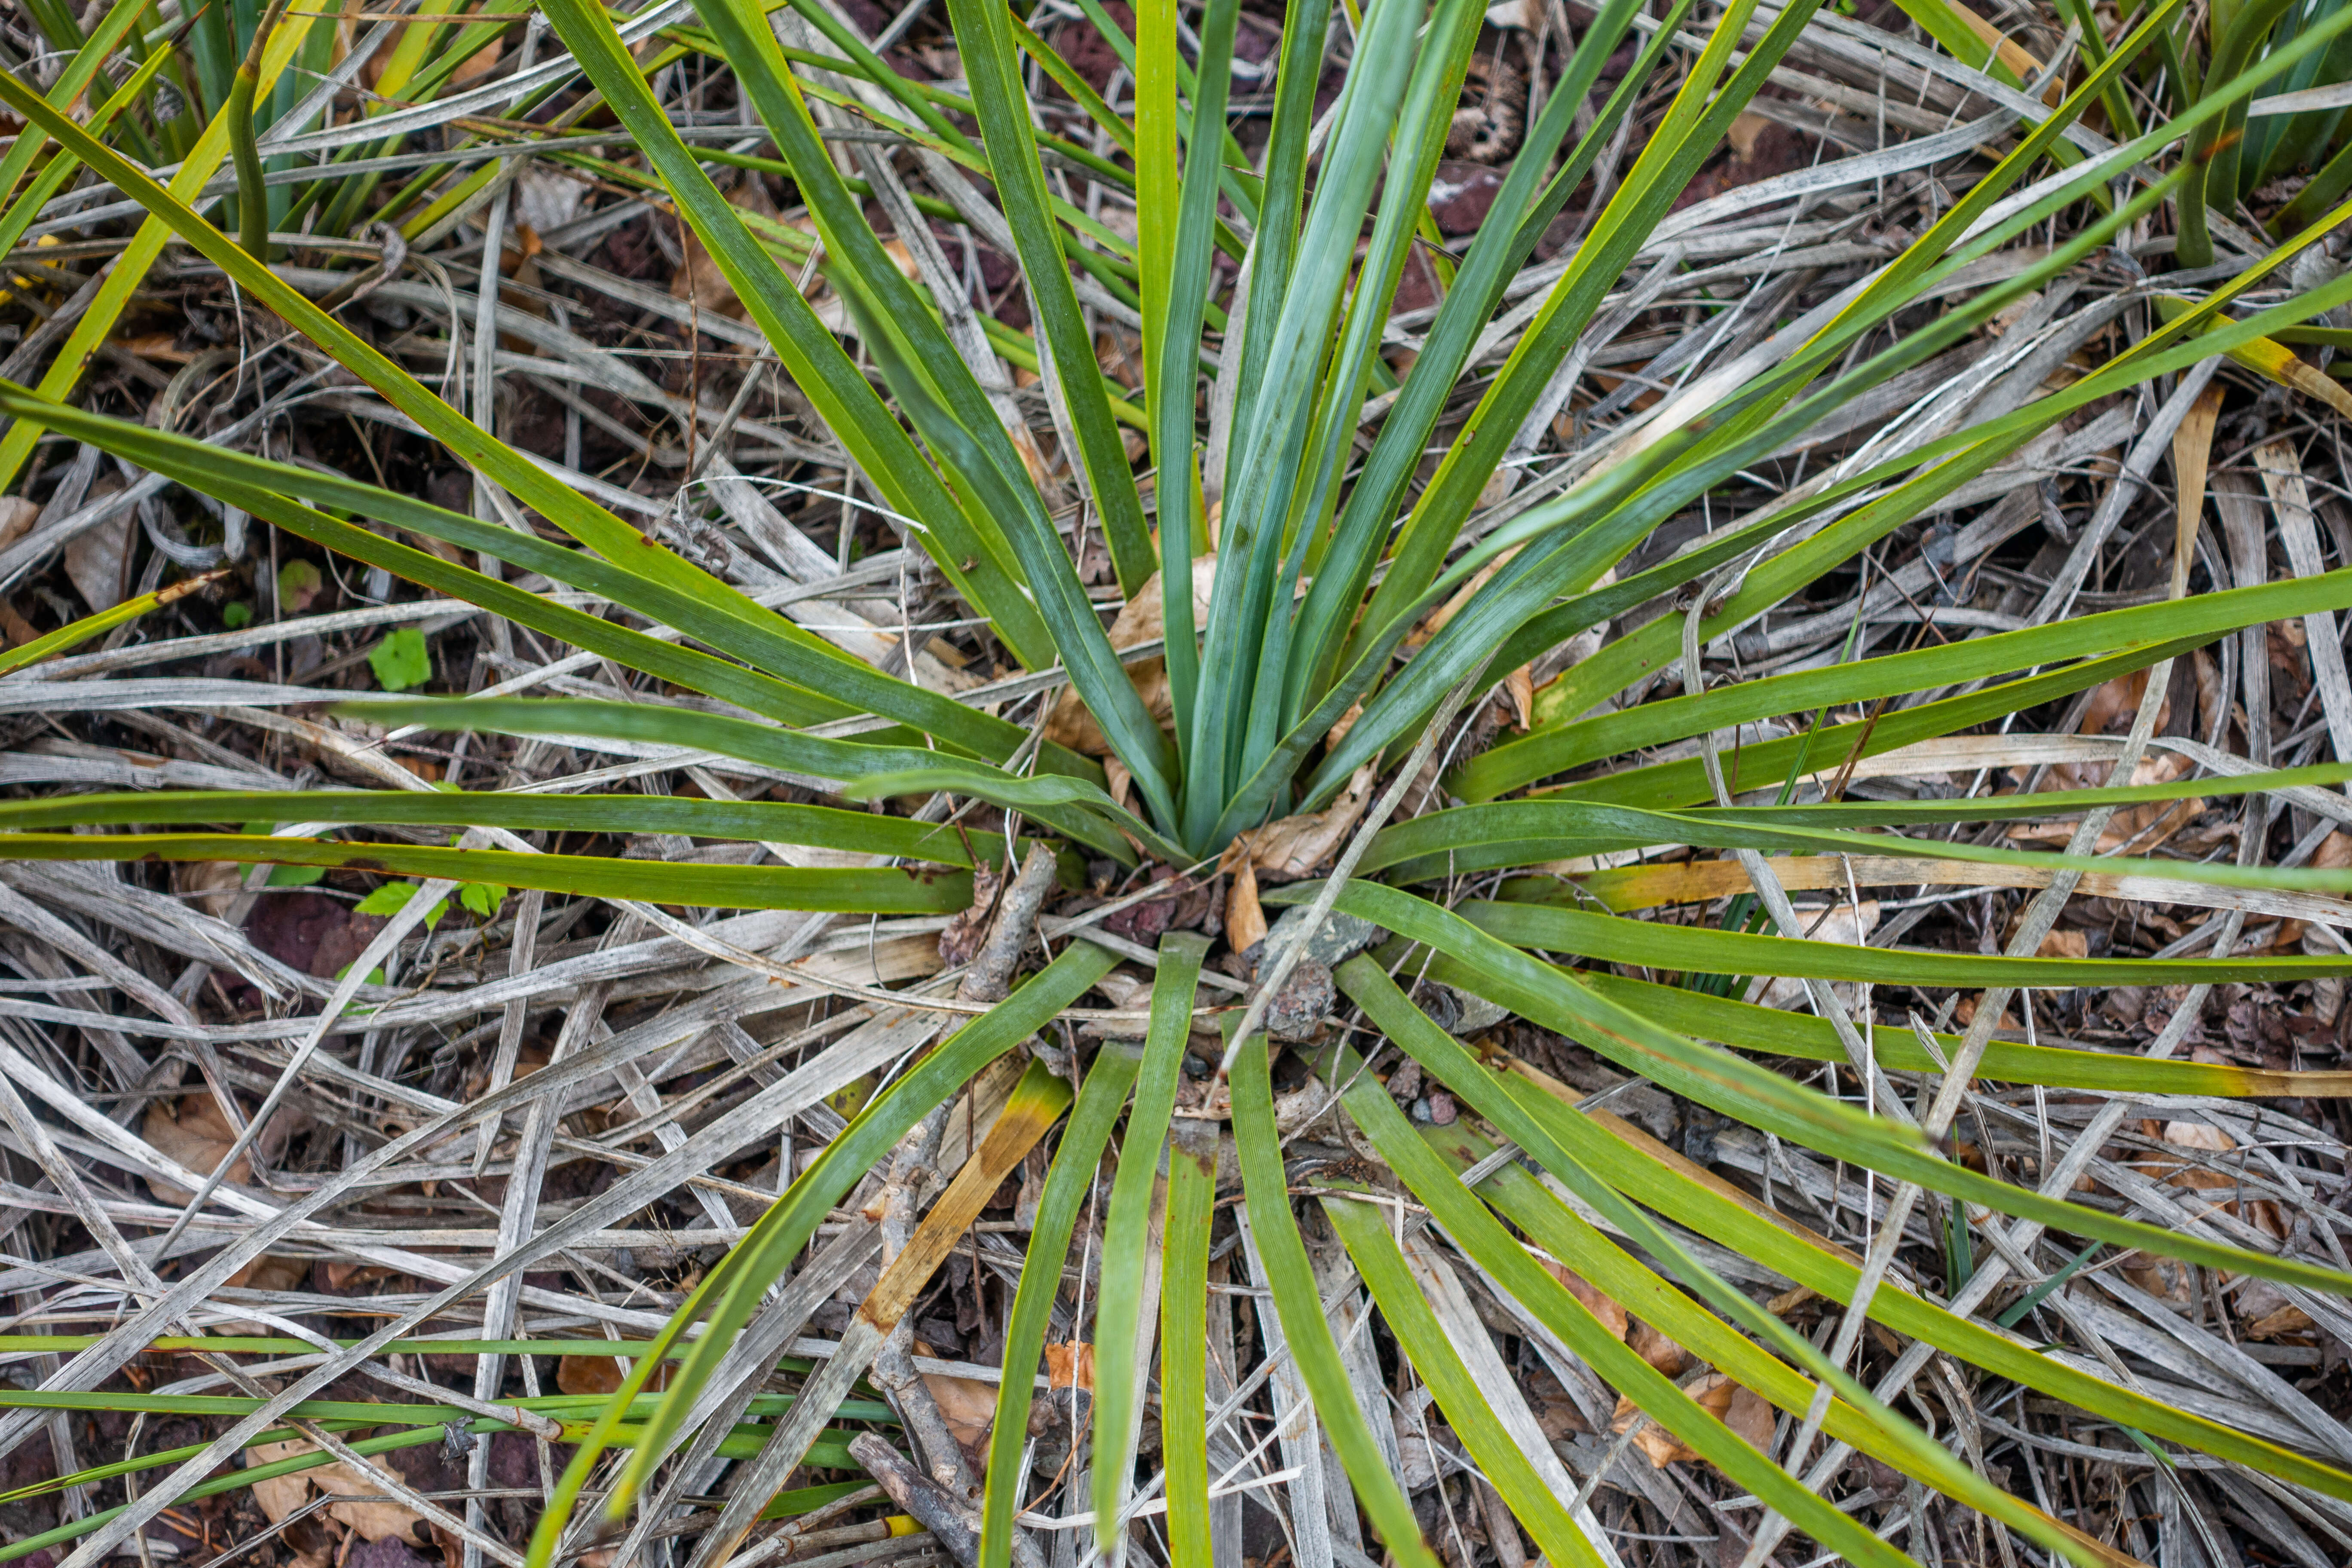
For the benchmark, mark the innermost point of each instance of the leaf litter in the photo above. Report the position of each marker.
(616, 348)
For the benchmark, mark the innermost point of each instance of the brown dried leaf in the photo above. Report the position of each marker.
(1747, 1413)
(197, 1134)
(960, 943)
(1654, 1347)
(17, 516)
(211, 885)
(1519, 685)
(2137, 829)
(1612, 1316)
(967, 1404)
(700, 280)
(1244, 917)
(2167, 1277)
(1295, 845)
(99, 559)
(589, 1374)
(2064, 945)
(370, 1520)
(1139, 620)
(2282, 1319)
(464, 77)
(1071, 1363)
(283, 1494)
(1848, 924)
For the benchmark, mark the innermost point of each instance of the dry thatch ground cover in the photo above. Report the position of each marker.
(664, 1084)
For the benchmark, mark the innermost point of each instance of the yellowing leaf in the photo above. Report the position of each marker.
(2274, 360)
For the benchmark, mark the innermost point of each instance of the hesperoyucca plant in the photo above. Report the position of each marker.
(1286, 444)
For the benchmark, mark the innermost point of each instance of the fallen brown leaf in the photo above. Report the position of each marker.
(1747, 1413)
(1521, 686)
(1294, 846)
(1245, 916)
(966, 1404)
(370, 1520)
(98, 559)
(2168, 1279)
(700, 280)
(2064, 945)
(1654, 1347)
(195, 1134)
(211, 885)
(1612, 1316)
(17, 516)
(1070, 1365)
(1139, 620)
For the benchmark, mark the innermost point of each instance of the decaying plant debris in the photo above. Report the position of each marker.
(1696, 618)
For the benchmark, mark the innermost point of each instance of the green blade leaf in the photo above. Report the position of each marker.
(993, 70)
(1269, 448)
(1753, 1094)
(733, 1290)
(1699, 950)
(967, 551)
(1515, 222)
(900, 892)
(1556, 1228)
(1364, 1229)
(114, 296)
(1530, 1285)
(75, 633)
(829, 828)
(1067, 1184)
(1634, 1163)
(1122, 1306)
(2202, 617)
(1184, 1342)
(843, 762)
(1529, 832)
(761, 637)
(500, 463)
(1041, 791)
(1291, 1280)
(1093, 666)
(1773, 1031)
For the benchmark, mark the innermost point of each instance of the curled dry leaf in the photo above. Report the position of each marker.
(195, 1134)
(960, 943)
(2200, 1172)
(1747, 1413)
(1141, 620)
(368, 1520)
(99, 559)
(1848, 924)
(966, 1404)
(211, 885)
(1612, 1316)
(1245, 916)
(700, 280)
(1070, 1365)
(478, 67)
(267, 1272)
(1652, 1346)
(2064, 945)
(2134, 829)
(1519, 685)
(17, 516)
(1294, 846)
